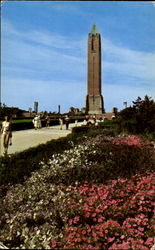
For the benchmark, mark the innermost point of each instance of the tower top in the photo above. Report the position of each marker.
(94, 30)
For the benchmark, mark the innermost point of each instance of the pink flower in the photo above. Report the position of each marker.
(111, 239)
(70, 222)
(83, 231)
(54, 243)
(94, 235)
(94, 215)
(122, 237)
(78, 240)
(76, 219)
(149, 241)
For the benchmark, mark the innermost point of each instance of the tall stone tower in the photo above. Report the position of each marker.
(94, 99)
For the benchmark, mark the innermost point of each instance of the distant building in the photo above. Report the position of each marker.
(74, 111)
(83, 110)
(27, 114)
(36, 107)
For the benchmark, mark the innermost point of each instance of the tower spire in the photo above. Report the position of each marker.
(94, 30)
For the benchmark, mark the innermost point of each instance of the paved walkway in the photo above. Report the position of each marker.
(25, 139)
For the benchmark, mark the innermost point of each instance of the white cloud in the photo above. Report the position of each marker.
(114, 96)
(54, 68)
(23, 50)
(23, 92)
(129, 63)
(46, 38)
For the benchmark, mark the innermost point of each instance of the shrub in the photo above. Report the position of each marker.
(115, 216)
(93, 131)
(78, 198)
(150, 136)
(14, 168)
(81, 129)
(138, 119)
(22, 125)
(100, 159)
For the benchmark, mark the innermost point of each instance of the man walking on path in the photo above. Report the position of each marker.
(67, 122)
(47, 119)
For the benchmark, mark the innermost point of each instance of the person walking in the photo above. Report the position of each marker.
(39, 122)
(67, 122)
(47, 119)
(60, 122)
(6, 134)
(76, 123)
(35, 122)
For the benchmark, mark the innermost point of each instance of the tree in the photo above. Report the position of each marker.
(146, 115)
(140, 118)
(10, 111)
(137, 102)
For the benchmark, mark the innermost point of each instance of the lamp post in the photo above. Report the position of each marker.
(36, 107)
(125, 103)
(59, 109)
(30, 111)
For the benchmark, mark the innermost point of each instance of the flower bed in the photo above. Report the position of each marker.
(84, 198)
(116, 216)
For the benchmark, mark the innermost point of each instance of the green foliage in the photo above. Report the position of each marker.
(81, 129)
(138, 119)
(22, 125)
(150, 136)
(106, 123)
(108, 161)
(106, 128)
(4, 110)
(28, 124)
(103, 131)
(40, 207)
(21, 121)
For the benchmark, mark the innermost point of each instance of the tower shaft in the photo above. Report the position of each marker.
(94, 100)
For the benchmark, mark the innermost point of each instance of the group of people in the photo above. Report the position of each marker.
(62, 120)
(6, 129)
(65, 121)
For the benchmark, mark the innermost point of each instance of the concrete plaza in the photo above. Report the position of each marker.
(24, 139)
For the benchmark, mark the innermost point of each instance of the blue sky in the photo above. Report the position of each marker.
(44, 52)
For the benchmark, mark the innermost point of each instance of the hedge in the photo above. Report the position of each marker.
(23, 125)
(14, 168)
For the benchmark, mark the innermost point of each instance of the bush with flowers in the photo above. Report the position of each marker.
(114, 216)
(84, 197)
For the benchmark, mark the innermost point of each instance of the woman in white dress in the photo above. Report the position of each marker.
(6, 134)
(36, 122)
(61, 123)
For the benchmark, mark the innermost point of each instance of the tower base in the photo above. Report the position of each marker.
(94, 104)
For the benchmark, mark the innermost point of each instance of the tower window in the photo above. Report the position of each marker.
(92, 45)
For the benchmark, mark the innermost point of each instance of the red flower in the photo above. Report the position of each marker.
(54, 243)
